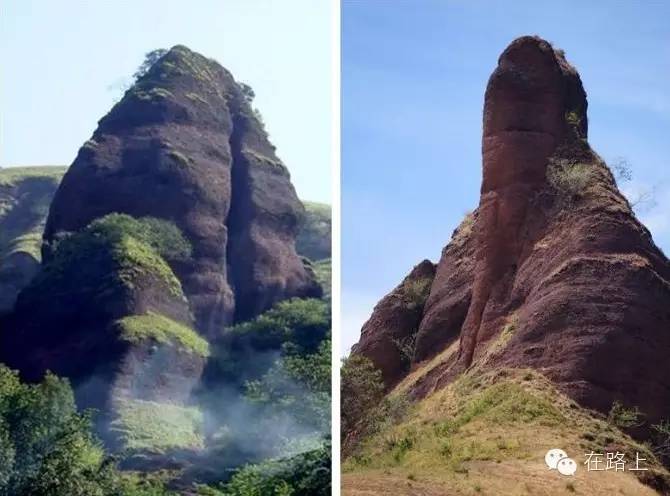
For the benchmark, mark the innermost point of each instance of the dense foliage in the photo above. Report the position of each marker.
(279, 368)
(306, 474)
(362, 389)
(248, 350)
(46, 446)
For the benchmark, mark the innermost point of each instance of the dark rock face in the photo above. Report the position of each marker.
(388, 336)
(554, 272)
(25, 195)
(184, 145)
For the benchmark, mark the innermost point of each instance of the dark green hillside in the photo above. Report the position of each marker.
(25, 196)
(313, 240)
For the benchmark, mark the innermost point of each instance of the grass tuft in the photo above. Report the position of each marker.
(137, 328)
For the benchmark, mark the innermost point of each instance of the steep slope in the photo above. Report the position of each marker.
(184, 145)
(25, 195)
(109, 314)
(175, 219)
(552, 271)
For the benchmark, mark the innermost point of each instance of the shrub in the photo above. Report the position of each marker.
(306, 474)
(362, 389)
(568, 179)
(415, 293)
(161, 235)
(623, 417)
(406, 346)
(298, 386)
(150, 58)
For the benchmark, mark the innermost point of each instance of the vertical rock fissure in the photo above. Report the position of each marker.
(236, 257)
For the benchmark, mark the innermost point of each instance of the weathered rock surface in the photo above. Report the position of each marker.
(553, 271)
(25, 195)
(184, 145)
(388, 337)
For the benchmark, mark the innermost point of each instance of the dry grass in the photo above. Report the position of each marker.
(488, 434)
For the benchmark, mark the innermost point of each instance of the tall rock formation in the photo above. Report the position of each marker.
(552, 271)
(185, 145)
(175, 219)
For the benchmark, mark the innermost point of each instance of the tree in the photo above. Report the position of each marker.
(47, 447)
(362, 389)
(150, 58)
(247, 92)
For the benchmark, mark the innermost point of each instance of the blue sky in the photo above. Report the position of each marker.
(60, 58)
(413, 80)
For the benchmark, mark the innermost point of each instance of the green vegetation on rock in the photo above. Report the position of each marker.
(157, 427)
(138, 328)
(136, 260)
(25, 196)
(117, 251)
(162, 235)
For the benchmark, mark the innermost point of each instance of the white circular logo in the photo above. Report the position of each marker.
(553, 456)
(566, 466)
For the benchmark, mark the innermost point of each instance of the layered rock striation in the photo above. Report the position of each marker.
(552, 271)
(185, 145)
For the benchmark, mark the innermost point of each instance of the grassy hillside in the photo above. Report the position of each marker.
(488, 434)
(25, 196)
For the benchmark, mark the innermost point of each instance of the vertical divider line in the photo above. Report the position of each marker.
(335, 240)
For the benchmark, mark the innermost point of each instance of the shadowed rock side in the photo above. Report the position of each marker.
(388, 337)
(184, 145)
(553, 271)
(25, 194)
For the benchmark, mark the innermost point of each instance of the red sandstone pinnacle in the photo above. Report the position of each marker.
(565, 281)
(527, 99)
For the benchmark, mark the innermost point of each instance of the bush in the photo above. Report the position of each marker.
(407, 347)
(306, 474)
(161, 235)
(362, 389)
(47, 448)
(247, 351)
(569, 179)
(415, 293)
(298, 386)
(150, 58)
(623, 417)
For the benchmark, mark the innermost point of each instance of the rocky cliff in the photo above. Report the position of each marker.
(552, 271)
(546, 321)
(175, 220)
(185, 145)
